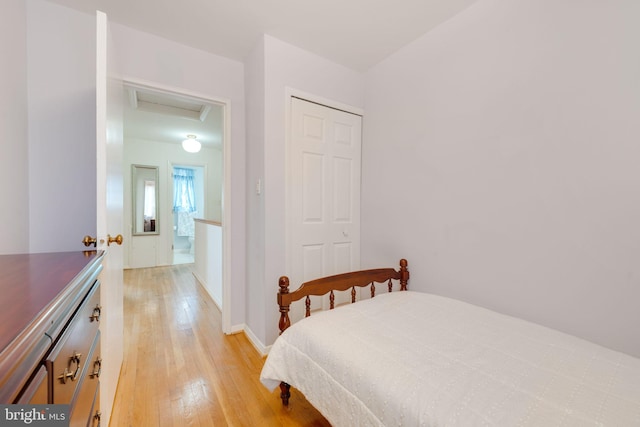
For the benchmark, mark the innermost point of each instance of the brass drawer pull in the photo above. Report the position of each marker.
(96, 373)
(66, 374)
(96, 313)
(68, 370)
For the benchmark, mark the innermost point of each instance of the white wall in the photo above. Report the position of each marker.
(61, 55)
(168, 65)
(255, 106)
(14, 176)
(208, 259)
(148, 153)
(501, 159)
(285, 66)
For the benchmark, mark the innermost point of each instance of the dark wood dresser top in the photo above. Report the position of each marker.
(32, 283)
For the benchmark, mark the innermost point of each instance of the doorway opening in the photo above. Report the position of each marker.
(188, 203)
(157, 120)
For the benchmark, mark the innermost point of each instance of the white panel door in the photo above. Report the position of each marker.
(109, 212)
(325, 193)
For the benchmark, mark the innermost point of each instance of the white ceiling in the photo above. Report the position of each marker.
(355, 33)
(159, 117)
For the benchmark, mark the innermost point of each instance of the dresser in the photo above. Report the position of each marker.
(50, 331)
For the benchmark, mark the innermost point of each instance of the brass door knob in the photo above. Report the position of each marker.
(117, 239)
(88, 241)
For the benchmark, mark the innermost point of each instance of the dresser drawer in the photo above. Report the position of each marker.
(88, 386)
(42, 293)
(96, 415)
(71, 355)
(36, 391)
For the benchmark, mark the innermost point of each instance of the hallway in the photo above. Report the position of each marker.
(180, 370)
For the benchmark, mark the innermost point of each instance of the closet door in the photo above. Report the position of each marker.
(325, 192)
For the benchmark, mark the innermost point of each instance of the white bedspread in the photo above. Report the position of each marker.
(416, 359)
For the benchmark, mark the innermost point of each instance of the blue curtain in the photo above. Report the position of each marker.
(184, 194)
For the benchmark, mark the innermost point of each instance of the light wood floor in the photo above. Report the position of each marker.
(179, 368)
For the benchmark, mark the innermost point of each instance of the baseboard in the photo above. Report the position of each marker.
(257, 344)
(202, 283)
(199, 279)
(237, 328)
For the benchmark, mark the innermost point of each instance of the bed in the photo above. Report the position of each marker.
(417, 359)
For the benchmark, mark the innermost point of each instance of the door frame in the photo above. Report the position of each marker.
(289, 94)
(226, 178)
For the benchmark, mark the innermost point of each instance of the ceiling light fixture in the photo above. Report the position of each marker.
(191, 145)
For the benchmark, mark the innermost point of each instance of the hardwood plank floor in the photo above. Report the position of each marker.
(180, 370)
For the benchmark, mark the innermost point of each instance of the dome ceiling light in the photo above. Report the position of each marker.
(191, 145)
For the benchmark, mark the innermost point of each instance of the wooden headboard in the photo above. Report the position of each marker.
(339, 282)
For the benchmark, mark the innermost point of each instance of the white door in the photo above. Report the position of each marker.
(109, 212)
(325, 193)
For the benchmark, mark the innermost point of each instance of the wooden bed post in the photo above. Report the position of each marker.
(284, 307)
(285, 394)
(404, 274)
(284, 323)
